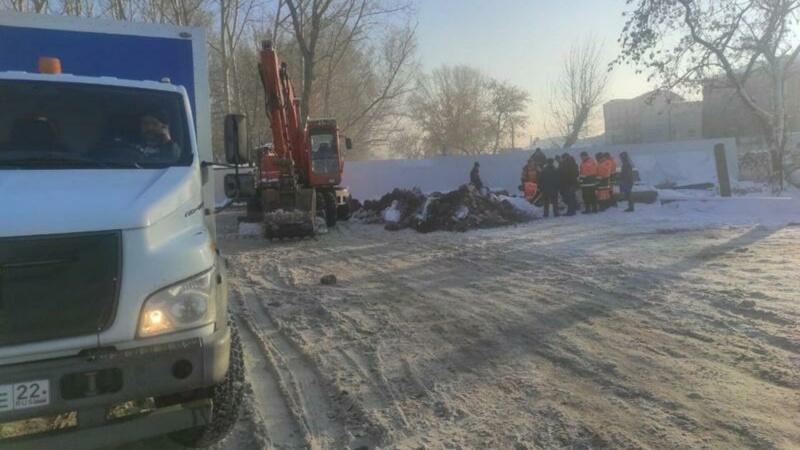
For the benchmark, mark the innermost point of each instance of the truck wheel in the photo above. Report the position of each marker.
(330, 209)
(227, 397)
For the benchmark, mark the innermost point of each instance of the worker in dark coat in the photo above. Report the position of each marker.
(475, 177)
(551, 182)
(539, 157)
(568, 174)
(626, 179)
(613, 179)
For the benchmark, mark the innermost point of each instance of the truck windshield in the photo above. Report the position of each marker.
(323, 153)
(46, 125)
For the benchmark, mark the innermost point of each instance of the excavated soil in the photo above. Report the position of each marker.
(459, 210)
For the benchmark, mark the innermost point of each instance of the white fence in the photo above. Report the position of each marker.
(682, 163)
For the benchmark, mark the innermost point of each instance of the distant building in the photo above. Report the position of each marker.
(726, 115)
(652, 117)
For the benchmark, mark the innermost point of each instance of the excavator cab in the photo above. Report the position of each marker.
(324, 152)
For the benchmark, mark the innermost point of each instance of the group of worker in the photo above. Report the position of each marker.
(545, 179)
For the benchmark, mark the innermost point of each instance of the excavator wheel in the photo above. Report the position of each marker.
(331, 212)
(343, 211)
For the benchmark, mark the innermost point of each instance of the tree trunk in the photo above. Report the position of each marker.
(226, 66)
(778, 124)
(497, 133)
(308, 84)
(513, 135)
(570, 139)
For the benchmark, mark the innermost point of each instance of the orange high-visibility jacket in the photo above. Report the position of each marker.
(589, 167)
(604, 168)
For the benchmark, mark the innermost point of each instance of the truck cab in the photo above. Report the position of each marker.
(112, 290)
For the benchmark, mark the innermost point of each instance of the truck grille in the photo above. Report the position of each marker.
(58, 286)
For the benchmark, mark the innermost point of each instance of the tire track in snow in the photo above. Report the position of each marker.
(274, 416)
(302, 387)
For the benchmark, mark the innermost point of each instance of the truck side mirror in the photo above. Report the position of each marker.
(348, 143)
(236, 148)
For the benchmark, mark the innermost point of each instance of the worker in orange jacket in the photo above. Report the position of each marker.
(604, 168)
(588, 183)
(530, 180)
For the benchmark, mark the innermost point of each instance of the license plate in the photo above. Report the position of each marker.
(28, 394)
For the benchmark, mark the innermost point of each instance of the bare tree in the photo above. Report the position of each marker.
(685, 42)
(35, 6)
(450, 108)
(186, 12)
(77, 8)
(373, 95)
(341, 23)
(234, 17)
(119, 9)
(409, 143)
(507, 108)
(578, 92)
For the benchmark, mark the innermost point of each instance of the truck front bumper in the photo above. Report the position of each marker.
(140, 426)
(92, 382)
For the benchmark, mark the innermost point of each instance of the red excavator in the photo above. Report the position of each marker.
(296, 186)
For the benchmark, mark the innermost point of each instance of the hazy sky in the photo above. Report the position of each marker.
(522, 41)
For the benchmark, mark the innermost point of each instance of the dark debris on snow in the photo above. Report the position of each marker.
(459, 210)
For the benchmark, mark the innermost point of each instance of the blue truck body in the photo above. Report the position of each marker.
(98, 54)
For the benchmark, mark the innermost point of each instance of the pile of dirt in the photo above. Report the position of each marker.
(459, 210)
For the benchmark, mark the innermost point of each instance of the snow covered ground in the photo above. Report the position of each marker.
(672, 327)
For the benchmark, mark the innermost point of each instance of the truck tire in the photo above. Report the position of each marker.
(330, 209)
(227, 397)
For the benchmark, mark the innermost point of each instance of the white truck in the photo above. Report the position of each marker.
(112, 290)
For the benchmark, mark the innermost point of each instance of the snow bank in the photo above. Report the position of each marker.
(737, 210)
(681, 163)
(392, 214)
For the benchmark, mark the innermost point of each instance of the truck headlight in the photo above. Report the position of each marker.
(188, 304)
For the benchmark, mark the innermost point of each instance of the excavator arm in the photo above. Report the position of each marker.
(283, 110)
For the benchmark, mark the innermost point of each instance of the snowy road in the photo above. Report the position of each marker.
(570, 333)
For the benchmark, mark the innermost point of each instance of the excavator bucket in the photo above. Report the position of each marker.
(290, 218)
